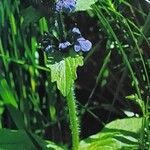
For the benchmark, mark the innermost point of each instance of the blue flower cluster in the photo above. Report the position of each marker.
(67, 6)
(77, 42)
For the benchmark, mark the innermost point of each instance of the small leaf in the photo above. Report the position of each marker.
(63, 72)
(53, 145)
(84, 5)
(13, 23)
(6, 93)
(119, 134)
(135, 98)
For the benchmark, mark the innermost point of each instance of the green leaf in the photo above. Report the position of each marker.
(53, 145)
(19, 140)
(16, 116)
(12, 140)
(63, 72)
(35, 140)
(135, 98)
(1, 107)
(82, 5)
(117, 135)
(45, 145)
(30, 15)
(6, 93)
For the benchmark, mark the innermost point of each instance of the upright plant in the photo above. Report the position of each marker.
(64, 55)
(63, 49)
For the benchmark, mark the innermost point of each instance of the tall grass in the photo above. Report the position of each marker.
(25, 82)
(130, 47)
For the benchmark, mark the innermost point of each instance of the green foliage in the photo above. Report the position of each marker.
(63, 72)
(6, 93)
(17, 117)
(120, 71)
(19, 140)
(14, 140)
(22, 135)
(119, 134)
(83, 6)
(33, 13)
(124, 50)
(135, 99)
(30, 15)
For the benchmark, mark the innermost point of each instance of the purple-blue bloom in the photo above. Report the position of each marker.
(64, 45)
(48, 47)
(67, 6)
(82, 45)
(76, 30)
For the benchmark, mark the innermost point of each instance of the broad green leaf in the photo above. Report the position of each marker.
(17, 117)
(82, 5)
(15, 140)
(117, 135)
(6, 93)
(63, 72)
(19, 140)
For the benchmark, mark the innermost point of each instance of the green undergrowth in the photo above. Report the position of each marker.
(35, 90)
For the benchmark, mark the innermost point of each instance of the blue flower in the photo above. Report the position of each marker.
(67, 6)
(48, 48)
(76, 31)
(64, 45)
(82, 45)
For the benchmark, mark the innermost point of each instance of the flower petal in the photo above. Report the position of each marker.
(85, 45)
(67, 6)
(64, 45)
(77, 47)
(76, 30)
(48, 48)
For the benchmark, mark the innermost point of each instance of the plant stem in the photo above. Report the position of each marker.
(61, 30)
(74, 122)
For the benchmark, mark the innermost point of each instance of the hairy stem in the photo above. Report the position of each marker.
(74, 122)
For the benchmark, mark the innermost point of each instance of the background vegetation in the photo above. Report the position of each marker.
(114, 82)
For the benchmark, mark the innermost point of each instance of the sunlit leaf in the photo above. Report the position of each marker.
(6, 93)
(119, 134)
(84, 5)
(63, 72)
